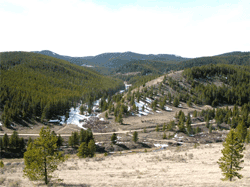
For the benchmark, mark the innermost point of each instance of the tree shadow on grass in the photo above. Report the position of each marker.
(70, 185)
(124, 124)
(144, 145)
(62, 184)
(123, 146)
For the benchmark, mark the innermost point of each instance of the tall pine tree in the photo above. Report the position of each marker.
(232, 156)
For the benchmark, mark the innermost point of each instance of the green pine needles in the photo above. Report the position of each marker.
(42, 157)
(232, 156)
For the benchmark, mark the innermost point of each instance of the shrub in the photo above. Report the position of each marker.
(1, 164)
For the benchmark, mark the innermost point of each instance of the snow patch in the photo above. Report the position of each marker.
(161, 145)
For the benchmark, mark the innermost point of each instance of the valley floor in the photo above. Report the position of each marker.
(175, 166)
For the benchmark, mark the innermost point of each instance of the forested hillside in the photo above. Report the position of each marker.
(235, 58)
(216, 85)
(146, 67)
(235, 88)
(153, 67)
(38, 86)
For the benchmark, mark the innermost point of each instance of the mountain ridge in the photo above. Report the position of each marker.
(113, 60)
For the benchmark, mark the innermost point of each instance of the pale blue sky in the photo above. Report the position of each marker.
(83, 28)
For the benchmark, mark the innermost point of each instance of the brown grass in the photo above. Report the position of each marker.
(182, 166)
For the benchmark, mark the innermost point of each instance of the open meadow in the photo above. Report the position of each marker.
(175, 166)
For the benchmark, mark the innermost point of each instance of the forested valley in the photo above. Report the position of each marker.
(35, 86)
(142, 106)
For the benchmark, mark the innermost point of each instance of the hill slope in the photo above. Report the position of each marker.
(214, 85)
(34, 85)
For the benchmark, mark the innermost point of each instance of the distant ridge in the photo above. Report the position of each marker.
(113, 63)
(113, 60)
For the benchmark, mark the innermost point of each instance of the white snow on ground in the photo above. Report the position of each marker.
(148, 100)
(167, 108)
(143, 113)
(139, 105)
(127, 86)
(75, 116)
(97, 102)
(146, 111)
(86, 65)
(142, 103)
(161, 145)
(54, 121)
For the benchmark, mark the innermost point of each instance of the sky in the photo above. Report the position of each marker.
(186, 28)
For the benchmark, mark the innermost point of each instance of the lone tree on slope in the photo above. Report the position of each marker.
(232, 157)
(42, 157)
(135, 136)
(114, 138)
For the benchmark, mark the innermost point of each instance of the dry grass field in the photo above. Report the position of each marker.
(175, 166)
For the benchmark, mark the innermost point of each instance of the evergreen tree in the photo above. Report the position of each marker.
(135, 136)
(113, 138)
(1, 164)
(170, 125)
(164, 127)
(134, 107)
(89, 135)
(195, 114)
(106, 115)
(232, 156)
(21, 144)
(248, 136)
(14, 140)
(197, 130)
(89, 110)
(60, 141)
(241, 131)
(176, 102)
(119, 118)
(42, 158)
(210, 128)
(207, 124)
(164, 136)
(83, 150)
(157, 128)
(189, 102)
(29, 141)
(74, 139)
(181, 126)
(5, 142)
(82, 109)
(1, 146)
(82, 136)
(169, 98)
(91, 148)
